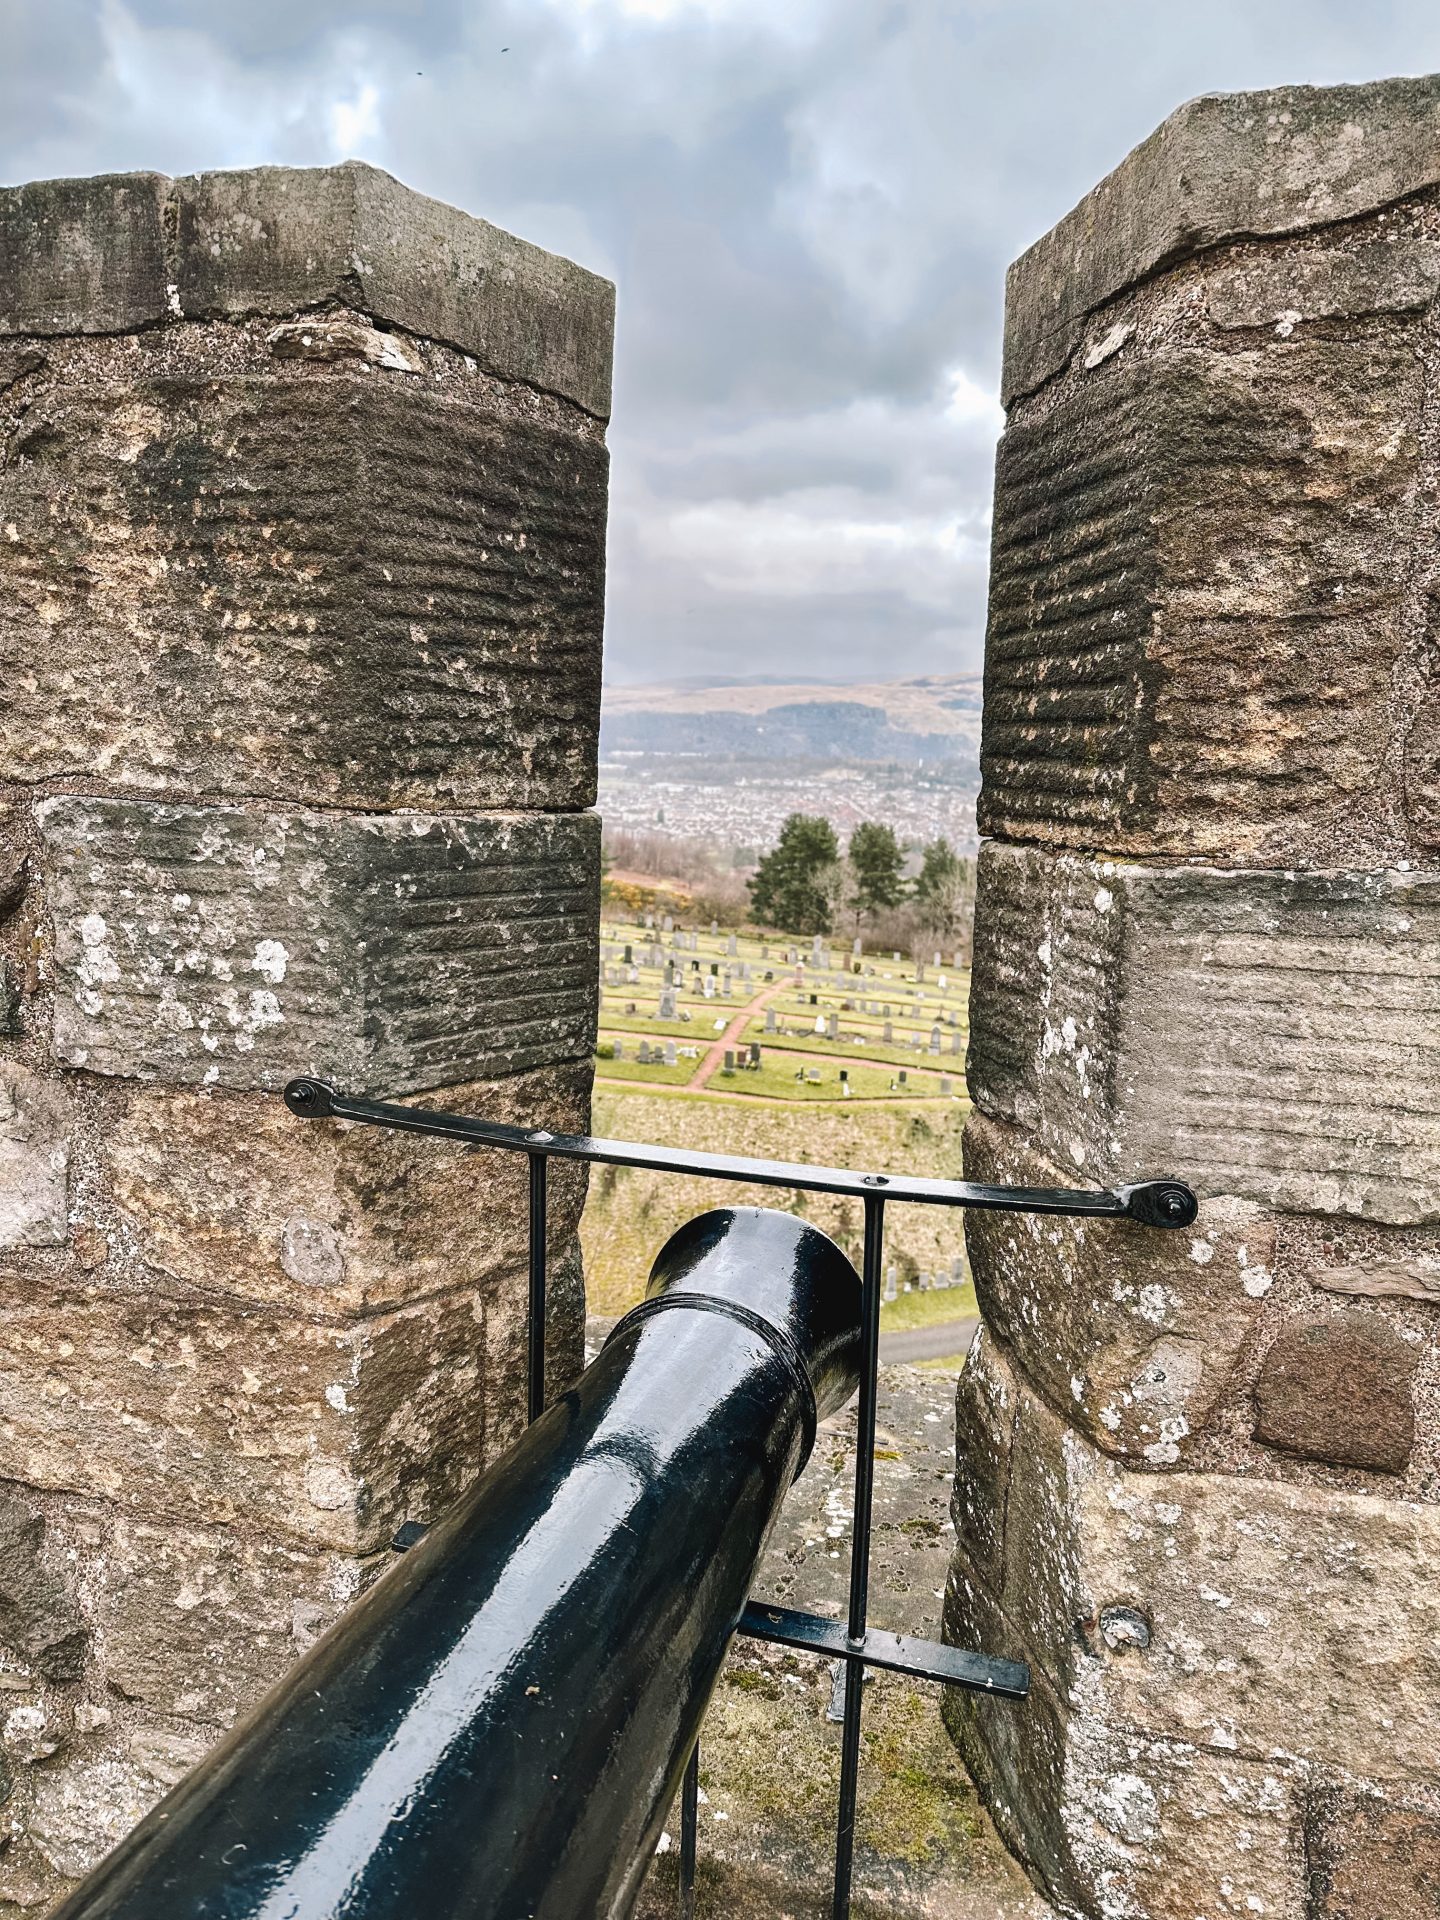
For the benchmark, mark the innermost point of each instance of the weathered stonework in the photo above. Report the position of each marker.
(214, 946)
(321, 582)
(1136, 1334)
(302, 518)
(1192, 1621)
(1276, 1033)
(1198, 1475)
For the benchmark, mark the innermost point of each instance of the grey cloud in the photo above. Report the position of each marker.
(808, 205)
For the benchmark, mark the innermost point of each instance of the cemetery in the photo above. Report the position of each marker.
(729, 1015)
(741, 1042)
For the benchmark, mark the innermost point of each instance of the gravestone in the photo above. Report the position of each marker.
(671, 1053)
(769, 1020)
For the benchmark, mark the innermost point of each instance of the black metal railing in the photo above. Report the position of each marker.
(1155, 1203)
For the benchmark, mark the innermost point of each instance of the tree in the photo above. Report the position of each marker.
(945, 893)
(878, 863)
(835, 883)
(785, 891)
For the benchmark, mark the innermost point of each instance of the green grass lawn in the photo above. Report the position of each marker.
(699, 1030)
(928, 1309)
(848, 1045)
(630, 1069)
(775, 1078)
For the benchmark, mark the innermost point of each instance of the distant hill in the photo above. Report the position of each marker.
(889, 722)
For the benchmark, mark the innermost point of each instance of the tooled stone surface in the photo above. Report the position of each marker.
(1339, 1389)
(1223, 165)
(315, 586)
(1271, 1036)
(1199, 605)
(1132, 1334)
(218, 946)
(125, 251)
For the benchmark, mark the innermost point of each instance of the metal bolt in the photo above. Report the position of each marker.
(875, 1180)
(1173, 1206)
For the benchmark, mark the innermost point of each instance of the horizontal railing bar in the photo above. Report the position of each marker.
(1158, 1203)
(897, 1652)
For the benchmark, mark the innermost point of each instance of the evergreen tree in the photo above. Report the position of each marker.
(878, 863)
(786, 891)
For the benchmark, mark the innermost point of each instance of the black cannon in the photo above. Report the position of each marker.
(498, 1727)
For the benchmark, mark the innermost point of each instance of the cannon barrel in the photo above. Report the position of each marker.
(498, 1726)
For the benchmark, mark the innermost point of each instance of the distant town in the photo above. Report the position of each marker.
(728, 764)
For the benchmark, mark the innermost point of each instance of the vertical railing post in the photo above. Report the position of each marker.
(860, 1548)
(689, 1822)
(535, 1397)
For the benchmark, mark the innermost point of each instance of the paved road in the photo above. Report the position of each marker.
(927, 1343)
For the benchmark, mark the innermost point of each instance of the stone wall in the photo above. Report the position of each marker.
(302, 520)
(1199, 1475)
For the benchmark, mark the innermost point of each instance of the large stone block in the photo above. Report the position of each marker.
(1199, 603)
(1224, 166)
(298, 584)
(1370, 1859)
(1271, 1036)
(221, 946)
(83, 256)
(1133, 1334)
(328, 1435)
(1239, 1616)
(233, 1196)
(120, 252)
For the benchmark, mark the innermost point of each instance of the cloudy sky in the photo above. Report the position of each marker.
(808, 206)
